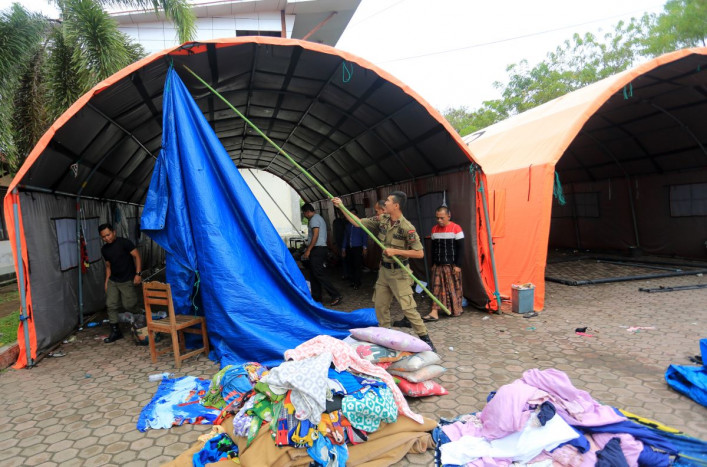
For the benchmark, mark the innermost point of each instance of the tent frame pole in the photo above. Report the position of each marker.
(484, 201)
(419, 220)
(21, 280)
(78, 246)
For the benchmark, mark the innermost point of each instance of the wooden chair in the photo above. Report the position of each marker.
(157, 293)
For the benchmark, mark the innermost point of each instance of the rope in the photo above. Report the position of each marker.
(196, 291)
(346, 72)
(321, 187)
(630, 91)
(557, 191)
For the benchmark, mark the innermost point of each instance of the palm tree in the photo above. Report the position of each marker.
(45, 65)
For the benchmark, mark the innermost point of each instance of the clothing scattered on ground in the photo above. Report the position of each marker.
(578, 431)
(177, 402)
(323, 399)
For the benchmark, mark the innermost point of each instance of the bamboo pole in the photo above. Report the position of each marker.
(321, 187)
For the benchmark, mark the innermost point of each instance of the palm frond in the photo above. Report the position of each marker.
(63, 83)
(29, 115)
(99, 48)
(178, 11)
(21, 33)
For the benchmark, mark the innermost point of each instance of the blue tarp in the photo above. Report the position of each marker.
(222, 248)
(690, 380)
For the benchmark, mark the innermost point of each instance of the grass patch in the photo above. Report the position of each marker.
(9, 323)
(8, 328)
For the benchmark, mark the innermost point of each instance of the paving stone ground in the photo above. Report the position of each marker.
(81, 409)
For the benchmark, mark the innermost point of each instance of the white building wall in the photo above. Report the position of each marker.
(159, 35)
(289, 224)
(7, 264)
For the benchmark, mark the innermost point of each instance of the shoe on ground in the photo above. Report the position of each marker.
(115, 334)
(402, 323)
(426, 339)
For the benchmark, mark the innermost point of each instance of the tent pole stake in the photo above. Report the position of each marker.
(21, 280)
(321, 187)
(488, 232)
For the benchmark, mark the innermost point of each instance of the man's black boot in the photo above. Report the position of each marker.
(426, 339)
(115, 334)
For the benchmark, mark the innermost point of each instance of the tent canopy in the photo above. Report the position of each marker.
(646, 123)
(352, 125)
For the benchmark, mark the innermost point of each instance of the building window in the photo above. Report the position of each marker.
(250, 32)
(688, 200)
(66, 239)
(92, 238)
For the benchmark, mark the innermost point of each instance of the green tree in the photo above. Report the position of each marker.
(682, 24)
(45, 65)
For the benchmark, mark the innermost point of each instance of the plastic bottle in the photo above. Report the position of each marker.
(160, 376)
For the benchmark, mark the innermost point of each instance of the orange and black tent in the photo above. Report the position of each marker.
(630, 153)
(354, 127)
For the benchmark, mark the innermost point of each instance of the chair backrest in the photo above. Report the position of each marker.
(158, 293)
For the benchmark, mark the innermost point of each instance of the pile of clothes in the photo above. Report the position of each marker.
(321, 400)
(542, 419)
(411, 361)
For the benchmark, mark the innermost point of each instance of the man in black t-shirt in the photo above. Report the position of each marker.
(123, 267)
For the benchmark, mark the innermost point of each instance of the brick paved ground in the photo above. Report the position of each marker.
(82, 409)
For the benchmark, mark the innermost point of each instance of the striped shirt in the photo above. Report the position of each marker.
(447, 244)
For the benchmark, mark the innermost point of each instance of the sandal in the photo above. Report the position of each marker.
(336, 301)
(429, 318)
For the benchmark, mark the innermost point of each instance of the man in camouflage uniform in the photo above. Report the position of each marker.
(400, 239)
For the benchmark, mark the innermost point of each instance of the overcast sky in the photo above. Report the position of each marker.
(451, 51)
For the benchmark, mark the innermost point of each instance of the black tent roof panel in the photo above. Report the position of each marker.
(352, 125)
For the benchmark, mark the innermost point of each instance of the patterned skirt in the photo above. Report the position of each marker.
(447, 287)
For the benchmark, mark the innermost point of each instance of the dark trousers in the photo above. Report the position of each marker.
(318, 278)
(354, 256)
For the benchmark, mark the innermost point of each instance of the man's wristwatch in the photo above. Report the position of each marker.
(138, 274)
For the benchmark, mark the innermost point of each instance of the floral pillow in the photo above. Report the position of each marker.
(416, 361)
(376, 353)
(390, 338)
(425, 388)
(423, 374)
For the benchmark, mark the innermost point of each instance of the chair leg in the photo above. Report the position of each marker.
(205, 338)
(153, 350)
(182, 342)
(175, 349)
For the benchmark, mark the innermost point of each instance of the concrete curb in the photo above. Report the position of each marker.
(8, 355)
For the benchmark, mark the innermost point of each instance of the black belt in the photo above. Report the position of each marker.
(392, 265)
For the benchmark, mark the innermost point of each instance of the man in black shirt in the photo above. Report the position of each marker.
(123, 267)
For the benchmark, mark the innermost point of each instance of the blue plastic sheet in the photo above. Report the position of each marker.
(690, 380)
(223, 250)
